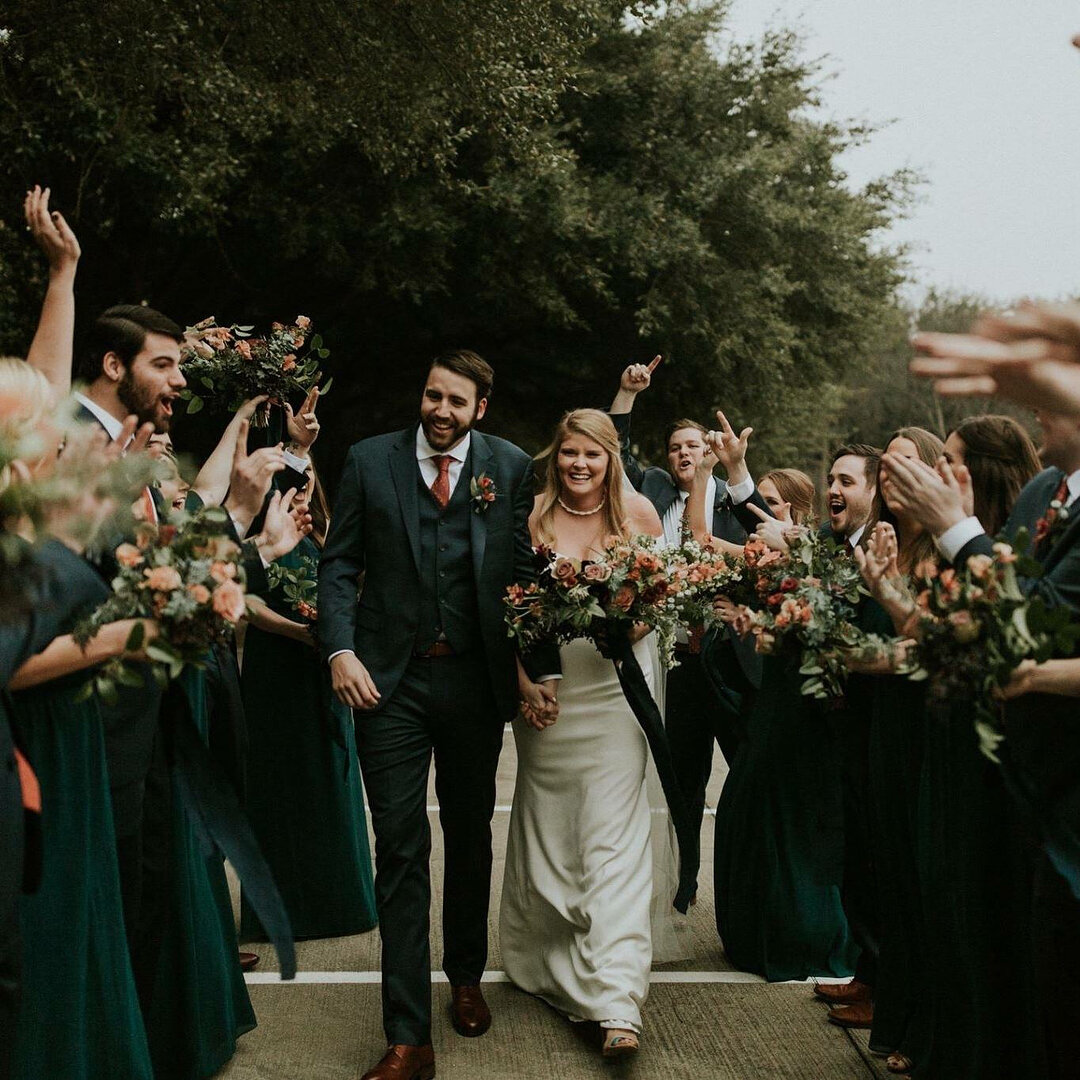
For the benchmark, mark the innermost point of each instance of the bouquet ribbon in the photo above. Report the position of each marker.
(640, 700)
(214, 811)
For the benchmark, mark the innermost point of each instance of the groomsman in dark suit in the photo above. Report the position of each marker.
(435, 518)
(852, 483)
(1041, 750)
(704, 692)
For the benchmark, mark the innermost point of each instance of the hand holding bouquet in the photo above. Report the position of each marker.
(230, 366)
(598, 598)
(189, 580)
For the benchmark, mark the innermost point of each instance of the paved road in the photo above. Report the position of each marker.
(702, 1020)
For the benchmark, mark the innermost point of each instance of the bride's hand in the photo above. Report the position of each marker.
(539, 702)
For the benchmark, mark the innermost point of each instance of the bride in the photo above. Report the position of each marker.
(575, 918)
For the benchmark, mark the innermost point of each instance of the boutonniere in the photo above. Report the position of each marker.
(1056, 518)
(482, 490)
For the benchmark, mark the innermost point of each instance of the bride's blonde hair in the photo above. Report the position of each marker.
(27, 399)
(591, 424)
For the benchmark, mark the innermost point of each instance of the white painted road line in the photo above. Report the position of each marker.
(372, 978)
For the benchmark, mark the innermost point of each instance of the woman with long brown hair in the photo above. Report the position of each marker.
(896, 743)
(575, 916)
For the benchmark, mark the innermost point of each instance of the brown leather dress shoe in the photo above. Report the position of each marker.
(859, 1015)
(849, 993)
(248, 961)
(403, 1062)
(469, 1011)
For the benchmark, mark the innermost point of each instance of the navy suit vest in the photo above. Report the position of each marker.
(447, 588)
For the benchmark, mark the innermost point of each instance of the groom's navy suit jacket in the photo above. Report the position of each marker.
(375, 532)
(1042, 730)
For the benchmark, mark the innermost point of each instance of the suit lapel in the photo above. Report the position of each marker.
(481, 460)
(403, 470)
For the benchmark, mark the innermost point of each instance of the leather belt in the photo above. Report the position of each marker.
(439, 648)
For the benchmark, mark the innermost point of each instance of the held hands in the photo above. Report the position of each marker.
(539, 701)
(303, 429)
(51, 233)
(352, 683)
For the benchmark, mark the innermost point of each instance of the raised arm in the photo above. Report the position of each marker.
(212, 483)
(52, 348)
(634, 379)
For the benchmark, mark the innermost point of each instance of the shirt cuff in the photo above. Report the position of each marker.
(953, 539)
(548, 678)
(340, 652)
(297, 464)
(742, 491)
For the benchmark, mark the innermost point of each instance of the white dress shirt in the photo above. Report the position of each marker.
(673, 515)
(952, 540)
(426, 454)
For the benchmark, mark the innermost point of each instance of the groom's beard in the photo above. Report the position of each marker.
(445, 438)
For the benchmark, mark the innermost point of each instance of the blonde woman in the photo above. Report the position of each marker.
(575, 919)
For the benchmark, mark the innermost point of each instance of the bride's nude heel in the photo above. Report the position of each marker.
(619, 1043)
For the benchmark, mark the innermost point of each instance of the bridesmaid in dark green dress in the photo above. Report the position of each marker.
(779, 845)
(304, 798)
(80, 1012)
(896, 745)
(200, 1004)
(779, 839)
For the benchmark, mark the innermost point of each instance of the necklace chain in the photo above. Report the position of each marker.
(582, 513)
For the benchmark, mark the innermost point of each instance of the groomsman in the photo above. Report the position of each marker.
(1042, 751)
(852, 480)
(704, 692)
(424, 658)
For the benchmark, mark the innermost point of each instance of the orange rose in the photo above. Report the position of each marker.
(288, 363)
(199, 593)
(222, 571)
(128, 555)
(624, 597)
(228, 601)
(303, 322)
(163, 579)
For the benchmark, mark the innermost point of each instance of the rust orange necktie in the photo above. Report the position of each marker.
(441, 488)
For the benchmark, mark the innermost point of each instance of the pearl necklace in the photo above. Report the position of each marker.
(582, 513)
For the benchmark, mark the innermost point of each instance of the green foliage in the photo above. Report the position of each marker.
(565, 187)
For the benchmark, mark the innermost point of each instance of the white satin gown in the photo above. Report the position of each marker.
(578, 889)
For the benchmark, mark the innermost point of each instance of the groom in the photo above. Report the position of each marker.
(435, 518)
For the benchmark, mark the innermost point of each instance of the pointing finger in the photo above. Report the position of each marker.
(654, 364)
(724, 425)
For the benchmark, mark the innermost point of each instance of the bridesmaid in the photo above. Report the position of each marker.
(305, 799)
(779, 846)
(199, 1005)
(76, 967)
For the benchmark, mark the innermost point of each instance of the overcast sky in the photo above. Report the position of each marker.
(985, 95)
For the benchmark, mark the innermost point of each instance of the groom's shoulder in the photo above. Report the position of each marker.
(504, 448)
(375, 446)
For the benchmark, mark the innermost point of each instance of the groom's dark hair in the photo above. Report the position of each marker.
(471, 365)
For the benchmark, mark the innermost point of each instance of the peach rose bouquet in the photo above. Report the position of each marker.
(188, 578)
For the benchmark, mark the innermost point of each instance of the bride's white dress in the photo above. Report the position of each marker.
(577, 894)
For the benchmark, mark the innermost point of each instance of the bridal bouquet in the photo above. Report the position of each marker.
(700, 574)
(596, 598)
(977, 627)
(186, 577)
(230, 366)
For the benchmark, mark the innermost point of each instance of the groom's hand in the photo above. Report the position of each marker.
(352, 683)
